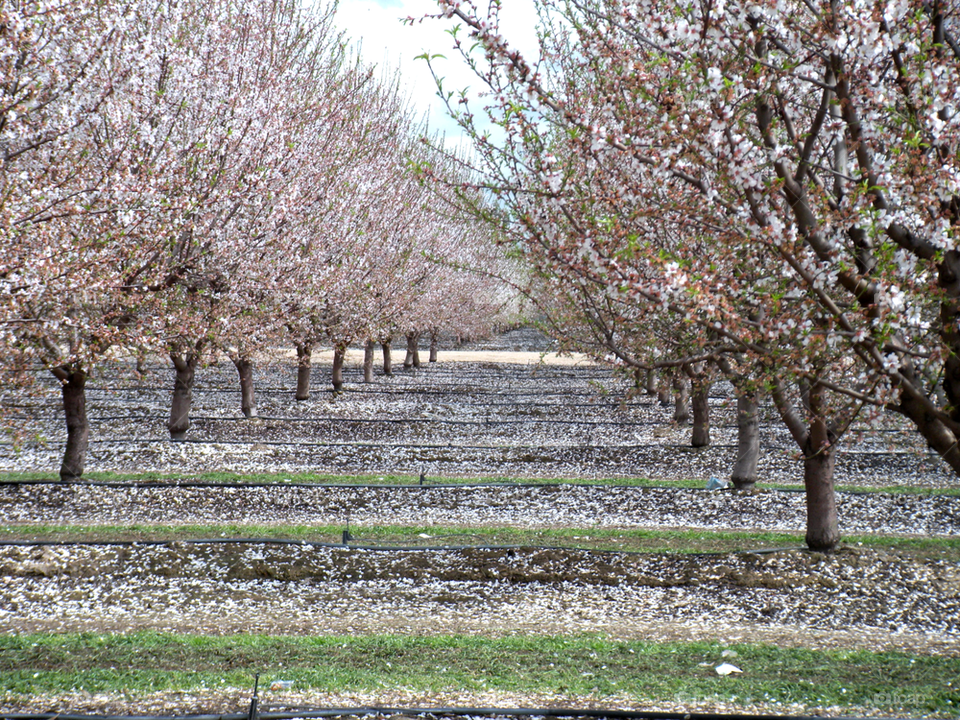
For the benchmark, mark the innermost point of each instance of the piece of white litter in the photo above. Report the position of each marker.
(727, 668)
(728, 653)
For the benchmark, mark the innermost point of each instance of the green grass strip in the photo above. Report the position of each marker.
(629, 540)
(569, 666)
(332, 479)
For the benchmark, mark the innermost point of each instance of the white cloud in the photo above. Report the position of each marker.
(386, 41)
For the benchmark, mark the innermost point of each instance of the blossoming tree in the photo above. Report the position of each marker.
(776, 178)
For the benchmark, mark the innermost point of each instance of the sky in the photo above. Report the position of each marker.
(390, 44)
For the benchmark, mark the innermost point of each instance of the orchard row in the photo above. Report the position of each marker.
(762, 190)
(193, 177)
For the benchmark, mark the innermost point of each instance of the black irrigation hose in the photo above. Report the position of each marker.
(532, 484)
(433, 713)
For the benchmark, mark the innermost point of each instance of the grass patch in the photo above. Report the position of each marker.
(571, 666)
(627, 540)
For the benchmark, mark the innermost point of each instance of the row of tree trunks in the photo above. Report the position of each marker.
(816, 440)
(304, 359)
(744, 475)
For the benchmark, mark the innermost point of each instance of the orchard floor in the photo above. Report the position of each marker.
(507, 408)
(485, 419)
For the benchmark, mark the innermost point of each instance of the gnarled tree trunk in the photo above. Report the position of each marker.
(387, 359)
(434, 346)
(304, 354)
(368, 361)
(185, 366)
(73, 381)
(744, 476)
(244, 367)
(338, 354)
(701, 415)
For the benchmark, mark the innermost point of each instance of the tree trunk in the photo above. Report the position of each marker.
(744, 475)
(434, 346)
(701, 415)
(681, 399)
(387, 360)
(819, 458)
(248, 405)
(338, 354)
(73, 380)
(823, 529)
(938, 436)
(186, 368)
(412, 358)
(368, 361)
(818, 444)
(304, 354)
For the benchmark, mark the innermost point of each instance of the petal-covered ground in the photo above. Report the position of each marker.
(490, 418)
(486, 418)
(853, 598)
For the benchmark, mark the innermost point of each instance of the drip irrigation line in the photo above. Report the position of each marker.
(375, 711)
(368, 547)
(212, 484)
(396, 446)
